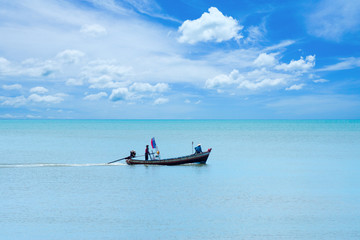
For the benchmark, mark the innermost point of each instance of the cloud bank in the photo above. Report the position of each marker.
(267, 73)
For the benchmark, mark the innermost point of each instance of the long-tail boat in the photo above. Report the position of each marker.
(193, 158)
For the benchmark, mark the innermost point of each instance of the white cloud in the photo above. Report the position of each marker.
(106, 74)
(32, 116)
(295, 87)
(265, 59)
(298, 65)
(211, 26)
(281, 45)
(265, 73)
(161, 101)
(5, 67)
(137, 56)
(146, 87)
(40, 90)
(22, 100)
(93, 30)
(38, 68)
(13, 101)
(255, 34)
(70, 56)
(346, 63)
(97, 96)
(12, 87)
(188, 101)
(331, 19)
(265, 82)
(57, 98)
(110, 5)
(223, 80)
(30, 67)
(74, 82)
(151, 8)
(148, 7)
(106, 81)
(320, 80)
(145, 49)
(120, 94)
(8, 116)
(252, 80)
(136, 90)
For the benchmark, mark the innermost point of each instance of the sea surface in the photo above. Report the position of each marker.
(274, 179)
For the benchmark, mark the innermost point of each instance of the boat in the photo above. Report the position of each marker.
(193, 158)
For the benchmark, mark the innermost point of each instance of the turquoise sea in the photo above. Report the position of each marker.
(274, 179)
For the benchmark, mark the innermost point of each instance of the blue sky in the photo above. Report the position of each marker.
(192, 59)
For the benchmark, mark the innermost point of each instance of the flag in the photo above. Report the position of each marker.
(153, 144)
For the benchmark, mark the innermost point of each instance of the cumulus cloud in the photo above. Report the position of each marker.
(93, 30)
(57, 98)
(265, 59)
(38, 90)
(13, 101)
(211, 26)
(97, 96)
(161, 101)
(295, 87)
(138, 91)
(70, 56)
(106, 74)
(253, 80)
(5, 67)
(266, 73)
(12, 87)
(106, 81)
(262, 83)
(33, 67)
(35, 98)
(147, 87)
(120, 94)
(30, 67)
(223, 80)
(38, 68)
(298, 65)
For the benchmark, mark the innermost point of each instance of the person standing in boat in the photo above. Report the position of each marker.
(147, 153)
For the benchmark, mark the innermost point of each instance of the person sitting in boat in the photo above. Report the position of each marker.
(157, 155)
(147, 153)
(198, 149)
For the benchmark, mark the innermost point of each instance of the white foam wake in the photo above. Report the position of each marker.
(35, 165)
